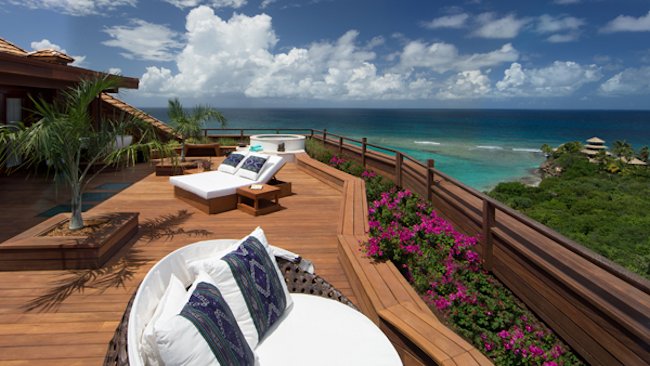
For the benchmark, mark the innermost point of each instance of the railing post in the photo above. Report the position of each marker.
(399, 158)
(277, 132)
(241, 136)
(430, 165)
(340, 145)
(205, 132)
(324, 136)
(311, 134)
(488, 224)
(364, 142)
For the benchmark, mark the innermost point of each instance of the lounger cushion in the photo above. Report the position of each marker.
(252, 166)
(181, 342)
(215, 184)
(232, 163)
(171, 302)
(251, 282)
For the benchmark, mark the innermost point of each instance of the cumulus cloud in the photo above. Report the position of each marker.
(115, 71)
(144, 41)
(266, 3)
(493, 27)
(182, 4)
(442, 57)
(45, 44)
(466, 85)
(75, 7)
(624, 23)
(566, 2)
(448, 21)
(551, 24)
(561, 78)
(627, 82)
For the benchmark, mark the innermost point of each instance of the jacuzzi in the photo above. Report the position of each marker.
(270, 142)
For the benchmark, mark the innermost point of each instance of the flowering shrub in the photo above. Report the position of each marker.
(444, 267)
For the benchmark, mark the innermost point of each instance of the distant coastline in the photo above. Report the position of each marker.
(481, 148)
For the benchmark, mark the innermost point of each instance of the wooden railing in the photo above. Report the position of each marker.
(601, 309)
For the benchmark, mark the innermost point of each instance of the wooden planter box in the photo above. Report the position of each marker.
(32, 250)
(166, 168)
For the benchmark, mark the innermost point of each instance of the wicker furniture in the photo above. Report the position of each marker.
(298, 281)
(258, 201)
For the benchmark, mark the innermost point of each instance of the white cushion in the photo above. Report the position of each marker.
(229, 168)
(249, 174)
(225, 281)
(171, 303)
(316, 324)
(179, 341)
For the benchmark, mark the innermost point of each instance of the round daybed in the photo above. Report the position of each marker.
(322, 328)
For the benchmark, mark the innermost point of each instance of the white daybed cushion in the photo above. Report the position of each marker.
(171, 303)
(214, 184)
(323, 332)
(225, 281)
(228, 168)
(252, 166)
(180, 342)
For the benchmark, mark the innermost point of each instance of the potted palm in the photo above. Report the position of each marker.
(189, 125)
(75, 147)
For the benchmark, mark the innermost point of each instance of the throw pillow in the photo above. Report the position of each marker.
(252, 166)
(232, 163)
(204, 332)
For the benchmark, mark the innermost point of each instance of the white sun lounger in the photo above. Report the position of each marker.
(215, 191)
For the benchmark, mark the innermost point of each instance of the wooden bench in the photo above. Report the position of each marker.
(382, 292)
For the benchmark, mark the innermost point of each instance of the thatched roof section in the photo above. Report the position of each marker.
(634, 161)
(137, 113)
(8, 47)
(596, 140)
(51, 56)
(595, 147)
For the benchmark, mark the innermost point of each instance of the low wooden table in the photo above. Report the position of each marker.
(263, 200)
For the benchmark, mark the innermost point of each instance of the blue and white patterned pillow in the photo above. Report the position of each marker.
(252, 167)
(231, 163)
(256, 276)
(214, 320)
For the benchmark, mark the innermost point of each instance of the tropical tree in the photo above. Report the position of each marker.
(644, 154)
(187, 125)
(547, 150)
(623, 149)
(74, 147)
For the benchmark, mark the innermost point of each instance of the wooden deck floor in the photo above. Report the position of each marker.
(76, 330)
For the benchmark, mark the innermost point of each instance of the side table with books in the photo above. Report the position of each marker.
(258, 199)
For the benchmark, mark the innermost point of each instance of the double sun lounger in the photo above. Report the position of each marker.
(215, 191)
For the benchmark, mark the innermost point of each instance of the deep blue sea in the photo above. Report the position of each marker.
(479, 147)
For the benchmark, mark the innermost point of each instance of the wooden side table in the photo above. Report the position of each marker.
(263, 200)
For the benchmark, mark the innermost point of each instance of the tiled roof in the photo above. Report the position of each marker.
(161, 126)
(8, 47)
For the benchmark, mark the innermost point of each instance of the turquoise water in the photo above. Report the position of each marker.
(479, 147)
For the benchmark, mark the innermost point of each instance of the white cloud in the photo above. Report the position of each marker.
(443, 57)
(551, 24)
(624, 23)
(144, 41)
(566, 2)
(561, 78)
(266, 3)
(182, 4)
(45, 44)
(629, 81)
(115, 71)
(466, 85)
(492, 27)
(563, 38)
(448, 21)
(75, 7)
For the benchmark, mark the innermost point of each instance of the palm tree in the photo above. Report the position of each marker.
(74, 146)
(623, 149)
(188, 125)
(547, 150)
(644, 154)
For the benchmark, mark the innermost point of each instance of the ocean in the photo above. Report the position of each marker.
(478, 147)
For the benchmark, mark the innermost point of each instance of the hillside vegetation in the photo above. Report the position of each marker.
(605, 206)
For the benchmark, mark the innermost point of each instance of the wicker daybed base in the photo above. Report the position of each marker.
(298, 281)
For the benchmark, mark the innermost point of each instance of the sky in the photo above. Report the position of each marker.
(535, 54)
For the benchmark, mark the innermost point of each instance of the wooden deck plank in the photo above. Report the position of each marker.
(77, 331)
